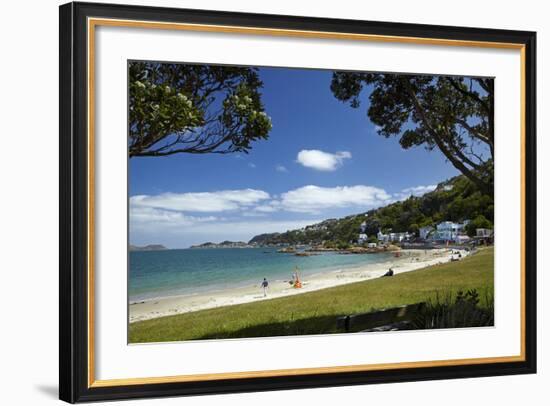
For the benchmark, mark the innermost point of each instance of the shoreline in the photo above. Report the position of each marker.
(410, 260)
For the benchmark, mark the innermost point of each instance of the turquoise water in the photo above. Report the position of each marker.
(155, 274)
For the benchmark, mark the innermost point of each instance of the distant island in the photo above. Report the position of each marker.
(224, 244)
(150, 247)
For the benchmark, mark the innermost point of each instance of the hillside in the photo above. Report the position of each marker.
(456, 199)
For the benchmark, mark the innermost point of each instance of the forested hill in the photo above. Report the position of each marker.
(456, 199)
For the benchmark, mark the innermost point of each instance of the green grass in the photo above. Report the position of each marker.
(316, 312)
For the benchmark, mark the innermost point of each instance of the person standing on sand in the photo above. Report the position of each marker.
(296, 279)
(265, 284)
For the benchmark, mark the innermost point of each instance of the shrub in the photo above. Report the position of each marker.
(464, 311)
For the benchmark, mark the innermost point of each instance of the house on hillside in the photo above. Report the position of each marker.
(424, 232)
(363, 237)
(399, 237)
(393, 237)
(484, 236)
(384, 238)
(450, 231)
(484, 232)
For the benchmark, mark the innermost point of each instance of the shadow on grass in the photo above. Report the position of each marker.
(443, 312)
(312, 325)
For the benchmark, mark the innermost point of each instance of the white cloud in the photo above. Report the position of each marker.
(147, 215)
(165, 218)
(251, 165)
(313, 199)
(251, 213)
(320, 160)
(175, 230)
(281, 168)
(223, 200)
(420, 190)
(414, 191)
(269, 208)
(245, 230)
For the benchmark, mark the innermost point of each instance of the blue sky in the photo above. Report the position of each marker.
(323, 159)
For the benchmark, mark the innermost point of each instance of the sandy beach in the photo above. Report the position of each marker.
(409, 260)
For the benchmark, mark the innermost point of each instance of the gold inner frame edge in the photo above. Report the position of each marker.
(92, 23)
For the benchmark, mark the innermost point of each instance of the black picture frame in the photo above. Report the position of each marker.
(74, 385)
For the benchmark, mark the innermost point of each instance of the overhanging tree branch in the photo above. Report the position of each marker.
(433, 111)
(179, 108)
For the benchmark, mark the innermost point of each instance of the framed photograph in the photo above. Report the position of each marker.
(257, 202)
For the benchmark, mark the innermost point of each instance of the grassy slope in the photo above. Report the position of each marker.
(316, 312)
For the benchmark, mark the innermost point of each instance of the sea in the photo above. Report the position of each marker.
(158, 274)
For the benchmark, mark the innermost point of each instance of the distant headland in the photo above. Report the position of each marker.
(150, 247)
(224, 244)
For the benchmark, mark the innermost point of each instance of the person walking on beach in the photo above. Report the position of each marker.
(265, 284)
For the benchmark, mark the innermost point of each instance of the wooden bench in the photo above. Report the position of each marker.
(378, 318)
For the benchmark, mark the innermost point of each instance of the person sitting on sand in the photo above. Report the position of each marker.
(265, 284)
(389, 273)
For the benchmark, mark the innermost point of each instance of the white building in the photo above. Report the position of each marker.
(382, 237)
(462, 238)
(424, 232)
(484, 232)
(362, 238)
(449, 231)
(392, 237)
(398, 237)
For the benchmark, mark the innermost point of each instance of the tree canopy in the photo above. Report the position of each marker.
(198, 109)
(453, 114)
(479, 222)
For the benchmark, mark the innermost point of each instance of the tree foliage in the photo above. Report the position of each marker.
(479, 222)
(196, 109)
(453, 114)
